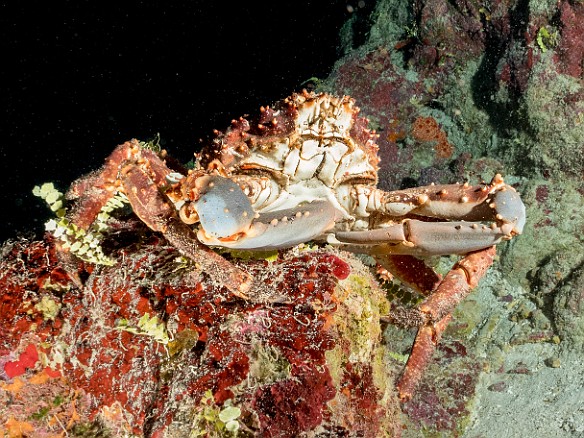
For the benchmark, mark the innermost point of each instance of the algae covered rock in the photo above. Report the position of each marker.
(569, 308)
(459, 92)
(152, 347)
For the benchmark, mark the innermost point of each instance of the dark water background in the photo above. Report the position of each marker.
(80, 77)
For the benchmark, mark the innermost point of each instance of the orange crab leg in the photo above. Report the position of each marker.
(95, 191)
(427, 339)
(458, 283)
(412, 271)
(141, 173)
(434, 312)
(153, 208)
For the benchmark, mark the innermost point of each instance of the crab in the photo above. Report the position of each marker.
(306, 170)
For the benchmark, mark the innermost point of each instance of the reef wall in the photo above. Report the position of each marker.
(459, 91)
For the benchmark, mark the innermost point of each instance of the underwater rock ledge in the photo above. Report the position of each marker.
(152, 347)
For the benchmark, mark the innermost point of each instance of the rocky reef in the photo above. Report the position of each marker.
(152, 347)
(458, 91)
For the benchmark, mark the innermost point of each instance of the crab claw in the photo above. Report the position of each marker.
(222, 207)
(280, 229)
(475, 217)
(510, 209)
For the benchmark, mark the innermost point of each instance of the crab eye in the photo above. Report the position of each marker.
(188, 214)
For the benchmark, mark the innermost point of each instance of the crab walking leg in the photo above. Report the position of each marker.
(458, 283)
(412, 271)
(436, 310)
(427, 339)
(154, 210)
(95, 191)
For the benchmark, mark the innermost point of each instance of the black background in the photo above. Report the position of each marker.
(80, 77)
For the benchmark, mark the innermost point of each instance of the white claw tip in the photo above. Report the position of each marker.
(497, 178)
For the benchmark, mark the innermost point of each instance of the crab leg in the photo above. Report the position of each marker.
(141, 172)
(154, 210)
(433, 314)
(427, 339)
(94, 192)
(412, 271)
